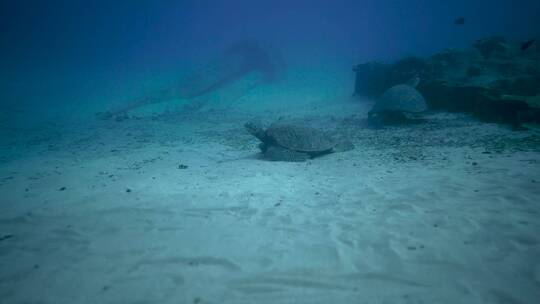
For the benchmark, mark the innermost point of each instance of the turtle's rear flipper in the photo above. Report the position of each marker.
(276, 153)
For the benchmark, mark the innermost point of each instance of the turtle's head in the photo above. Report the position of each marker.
(413, 82)
(255, 128)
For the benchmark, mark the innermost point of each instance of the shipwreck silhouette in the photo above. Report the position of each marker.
(236, 62)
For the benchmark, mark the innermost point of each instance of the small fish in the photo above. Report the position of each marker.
(527, 44)
(459, 21)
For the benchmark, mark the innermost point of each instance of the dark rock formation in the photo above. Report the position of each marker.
(494, 79)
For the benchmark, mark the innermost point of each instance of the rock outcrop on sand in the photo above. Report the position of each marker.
(494, 79)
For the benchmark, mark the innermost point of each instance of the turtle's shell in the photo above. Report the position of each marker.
(299, 138)
(401, 98)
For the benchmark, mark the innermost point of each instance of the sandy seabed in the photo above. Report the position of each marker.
(180, 208)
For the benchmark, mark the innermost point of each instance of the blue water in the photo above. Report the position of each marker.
(172, 201)
(65, 52)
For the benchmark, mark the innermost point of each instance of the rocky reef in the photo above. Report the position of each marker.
(495, 79)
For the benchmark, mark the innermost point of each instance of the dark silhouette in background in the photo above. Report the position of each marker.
(239, 60)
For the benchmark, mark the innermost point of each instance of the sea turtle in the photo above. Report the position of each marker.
(396, 102)
(291, 141)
